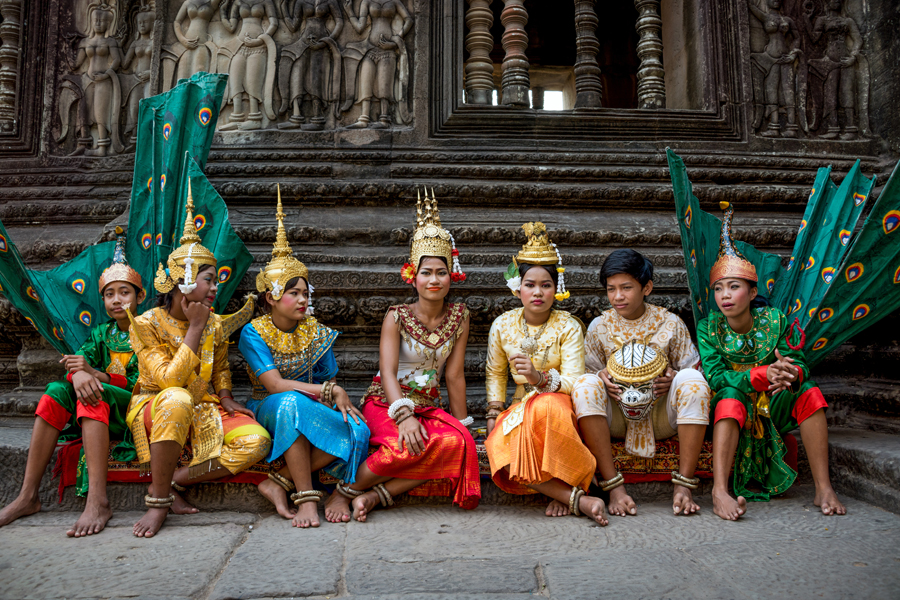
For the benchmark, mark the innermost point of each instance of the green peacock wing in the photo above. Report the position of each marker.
(74, 301)
(822, 241)
(700, 235)
(866, 284)
(169, 125)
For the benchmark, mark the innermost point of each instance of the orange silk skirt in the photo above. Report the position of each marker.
(546, 445)
(449, 454)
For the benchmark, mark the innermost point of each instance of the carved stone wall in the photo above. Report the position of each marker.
(597, 176)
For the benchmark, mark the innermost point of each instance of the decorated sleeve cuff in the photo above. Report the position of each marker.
(758, 378)
(118, 380)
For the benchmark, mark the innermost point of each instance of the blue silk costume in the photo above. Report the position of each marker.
(304, 355)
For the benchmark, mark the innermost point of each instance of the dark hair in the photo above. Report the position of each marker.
(551, 269)
(165, 300)
(263, 304)
(443, 259)
(629, 262)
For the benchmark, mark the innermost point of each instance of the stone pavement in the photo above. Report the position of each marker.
(782, 548)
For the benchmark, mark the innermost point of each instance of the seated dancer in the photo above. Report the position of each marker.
(292, 369)
(417, 441)
(752, 359)
(185, 386)
(628, 278)
(534, 445)
(90, 404)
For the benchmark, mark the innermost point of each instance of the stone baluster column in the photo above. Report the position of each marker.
(651, 75)
(479, 43)
(588, 87)
(10, 36)
(515, 79)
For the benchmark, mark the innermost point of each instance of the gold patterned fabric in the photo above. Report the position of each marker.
(165, 362)
(688, 399)
(560, 347)
(295, 354)
(424, 353)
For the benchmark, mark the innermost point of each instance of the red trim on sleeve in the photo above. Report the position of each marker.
(799, 376)
(758, 378)
(49, 410)
(69, 376)
(118, 380)
(97, 413)
(730, 408)
(808, 403)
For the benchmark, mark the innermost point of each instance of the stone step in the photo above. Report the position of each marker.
(864, 465)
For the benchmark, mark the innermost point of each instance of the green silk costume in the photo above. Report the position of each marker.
(835, 285)
(107, 349)
(728, 358)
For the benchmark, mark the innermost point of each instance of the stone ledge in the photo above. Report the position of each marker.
(864, 465)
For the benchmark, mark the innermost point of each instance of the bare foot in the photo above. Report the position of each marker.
(727, 507)
(20, 507)
(307, 515)
(683, 501)
(275, 494)
(337, 508)
(181, 507)
(92, 520)
(828, 501)
(620, 503)
(557, 509)
(593, 508)
(364, 504)
(151, 522)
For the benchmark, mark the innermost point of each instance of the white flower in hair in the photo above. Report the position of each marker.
(514, 283)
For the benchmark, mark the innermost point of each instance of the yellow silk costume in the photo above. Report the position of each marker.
(536, 438)
(181, 388)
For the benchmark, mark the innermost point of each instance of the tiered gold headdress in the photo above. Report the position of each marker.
(283, 267)
(538, 250)
(186, 260)
(430, 239)
(119, 270)
(730, 263)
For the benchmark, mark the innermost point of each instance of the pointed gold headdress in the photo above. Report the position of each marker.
(283, 267)
(538, 250)
(730, 263)
(119, 270)
(186, 260)
(431, 239)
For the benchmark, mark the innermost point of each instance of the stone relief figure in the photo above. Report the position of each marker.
(136, 85)
(382, 73)
(773, 71)
(195, 50)
(844, 69)
(251, 71)
(96, 90)
(310, 68)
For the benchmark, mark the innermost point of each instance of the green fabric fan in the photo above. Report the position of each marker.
(175, 131)
(836, 284)
(64, 303)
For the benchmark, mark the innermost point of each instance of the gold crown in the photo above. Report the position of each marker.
(429, 238)
(730, 263)
(119, 270)
(186, 260)
(283, 267)
(635, 362)
(537, 250)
